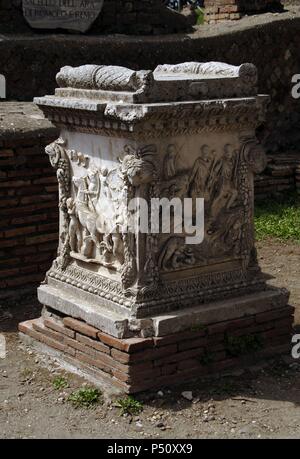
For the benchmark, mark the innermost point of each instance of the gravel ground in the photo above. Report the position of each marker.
(260, 402)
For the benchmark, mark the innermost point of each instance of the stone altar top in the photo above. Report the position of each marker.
(200, 93)
(167, 83)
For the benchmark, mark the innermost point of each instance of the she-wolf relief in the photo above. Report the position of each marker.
(222, 179)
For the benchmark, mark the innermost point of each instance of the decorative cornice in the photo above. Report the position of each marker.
(153, 121)
(169, 295)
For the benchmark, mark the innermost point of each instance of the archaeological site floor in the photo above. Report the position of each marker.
(259, 402)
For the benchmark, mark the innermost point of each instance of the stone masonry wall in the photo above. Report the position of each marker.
(139, 17)
(10, 10)
(28, 208)
(144, 16)
(28, 213)
(280, 176)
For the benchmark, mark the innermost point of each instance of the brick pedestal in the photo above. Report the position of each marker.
(139, 305)
(137, 364)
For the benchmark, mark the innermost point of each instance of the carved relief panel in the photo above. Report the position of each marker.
(220, 172)
(99, 229)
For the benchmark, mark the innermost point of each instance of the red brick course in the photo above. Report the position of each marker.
(127, 345)
(80, 326)
(28, 211)
(59, 327)
(92, 343)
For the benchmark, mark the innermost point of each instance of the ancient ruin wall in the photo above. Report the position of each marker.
(37, 61)
(28, 196)
(117, 16)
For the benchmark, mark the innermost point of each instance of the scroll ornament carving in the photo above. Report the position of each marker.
(247, 72)
(102, 77)
(116, 78)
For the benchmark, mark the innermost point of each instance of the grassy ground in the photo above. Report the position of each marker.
(278, 218)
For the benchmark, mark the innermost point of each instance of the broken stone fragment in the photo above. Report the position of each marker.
(106, 78)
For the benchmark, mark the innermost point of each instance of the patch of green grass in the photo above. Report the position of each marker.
(200, 15)
(60, 383)
(26, 373)
(241, 345)
(278, 218)
(129, 405)
(85, 397)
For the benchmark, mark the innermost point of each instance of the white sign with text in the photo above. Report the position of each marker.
(73, 15)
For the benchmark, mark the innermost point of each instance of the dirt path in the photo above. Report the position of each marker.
(261, 402)
(282, 261)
